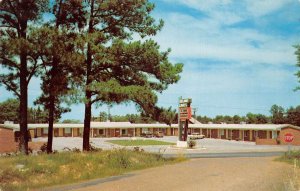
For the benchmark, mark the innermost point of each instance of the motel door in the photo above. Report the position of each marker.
(235, 134)
(117, 132)
(214, 133)
(254, 135)
(246, 135)
(55, 132)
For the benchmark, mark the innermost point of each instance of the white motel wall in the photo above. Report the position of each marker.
(259, 133)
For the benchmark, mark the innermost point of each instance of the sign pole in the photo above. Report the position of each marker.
(179, 121)
(184, 115)
(288, 138)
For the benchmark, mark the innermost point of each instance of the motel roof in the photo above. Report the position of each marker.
(127, 125)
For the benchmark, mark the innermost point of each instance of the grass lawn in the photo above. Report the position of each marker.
(293, 158)
(31, 172)
(139, 142)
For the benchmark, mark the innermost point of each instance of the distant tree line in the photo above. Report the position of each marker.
(132, 118)
(10, 112)
(279, 115)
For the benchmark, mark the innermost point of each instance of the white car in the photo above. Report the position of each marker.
(196, 136)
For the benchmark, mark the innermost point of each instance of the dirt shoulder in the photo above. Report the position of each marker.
(261, 173)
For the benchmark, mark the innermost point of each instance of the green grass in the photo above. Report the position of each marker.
(292, 182)
(69, 167)
(139, 142)
(292, 157)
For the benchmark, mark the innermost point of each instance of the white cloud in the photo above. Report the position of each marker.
(226, 65)
(264, 7)
(228, 12)
(203, 38)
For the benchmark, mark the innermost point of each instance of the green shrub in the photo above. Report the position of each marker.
(191, 143)
(44, 148)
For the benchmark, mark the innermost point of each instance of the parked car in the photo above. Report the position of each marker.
(196, 136)
(147, 134)
(159, 134)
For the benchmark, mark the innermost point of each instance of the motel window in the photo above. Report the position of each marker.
(255, 133)
(274, 134)
(144, 130)
(101, 131)
(222, 132)
(80, 131)
(123, 131)
(68, 130)
(45, 130)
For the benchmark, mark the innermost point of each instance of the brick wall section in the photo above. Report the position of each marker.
(266, 141)
(294, 132)
(7, 141)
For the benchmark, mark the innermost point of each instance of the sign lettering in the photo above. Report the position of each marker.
(288, 137)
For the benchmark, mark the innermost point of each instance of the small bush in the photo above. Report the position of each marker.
(93, 148)
(44, 148)
(76, 150)
(191, 143)
(136, 149)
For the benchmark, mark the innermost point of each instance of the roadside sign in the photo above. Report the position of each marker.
(288, 137)
(185, 113)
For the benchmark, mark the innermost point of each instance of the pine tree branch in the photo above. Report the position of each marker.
(9, 63)
(9, 86)
(33, 70)
(11, 22)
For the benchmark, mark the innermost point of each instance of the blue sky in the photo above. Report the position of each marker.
(238, 56)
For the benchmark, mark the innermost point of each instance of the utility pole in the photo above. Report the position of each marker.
(108, 112)
(194, 111)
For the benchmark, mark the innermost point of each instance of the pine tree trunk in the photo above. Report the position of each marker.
(50, 123)
(88, 104)
(88, 93)
(87, 123)
(52, 94)
(23, 144)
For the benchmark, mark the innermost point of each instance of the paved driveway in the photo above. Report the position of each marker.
(234, 174)
(203, 145)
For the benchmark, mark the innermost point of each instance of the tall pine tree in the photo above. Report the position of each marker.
(105, 77)
(17, 55)
(58, 43)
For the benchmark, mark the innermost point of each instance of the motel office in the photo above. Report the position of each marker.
(259, 133)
